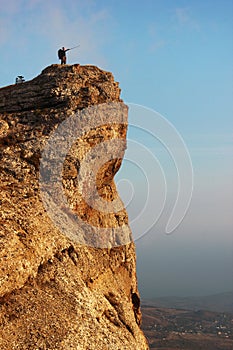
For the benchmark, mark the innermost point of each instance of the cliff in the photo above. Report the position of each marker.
(67, 260)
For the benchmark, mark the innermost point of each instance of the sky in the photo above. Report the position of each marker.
(173, 60)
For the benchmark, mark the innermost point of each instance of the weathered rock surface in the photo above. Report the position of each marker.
(76, 290)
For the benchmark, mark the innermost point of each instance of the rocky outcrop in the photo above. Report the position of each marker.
(67, 260)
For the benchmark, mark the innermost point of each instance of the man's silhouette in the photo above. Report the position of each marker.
(62, 55)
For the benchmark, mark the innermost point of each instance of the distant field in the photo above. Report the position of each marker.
(169, 329)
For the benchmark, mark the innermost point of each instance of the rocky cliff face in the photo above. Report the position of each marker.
(67, 261)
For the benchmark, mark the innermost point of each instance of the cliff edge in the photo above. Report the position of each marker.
(67, 260)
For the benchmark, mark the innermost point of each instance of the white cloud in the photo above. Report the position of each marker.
(61, 30)
(156, 41)
(184, 18)
(182, 15)
(35, 23)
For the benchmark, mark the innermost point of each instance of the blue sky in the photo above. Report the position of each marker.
(174, 57)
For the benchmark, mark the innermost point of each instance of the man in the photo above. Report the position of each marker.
(62, 55)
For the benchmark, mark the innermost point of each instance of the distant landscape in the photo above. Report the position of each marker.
(222, 302)
(189, 323)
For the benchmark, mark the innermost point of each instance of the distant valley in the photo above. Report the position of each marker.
(222, 302)
(186, 323)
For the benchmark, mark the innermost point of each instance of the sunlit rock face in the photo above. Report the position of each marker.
(67, 260)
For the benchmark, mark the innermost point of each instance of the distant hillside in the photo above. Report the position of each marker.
(222, 302)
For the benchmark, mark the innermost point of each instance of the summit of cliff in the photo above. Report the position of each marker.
(59, 86)
(68, 267)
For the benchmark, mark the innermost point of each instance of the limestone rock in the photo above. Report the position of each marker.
(67, 271)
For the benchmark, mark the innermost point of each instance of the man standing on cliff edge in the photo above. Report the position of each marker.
(62, 55)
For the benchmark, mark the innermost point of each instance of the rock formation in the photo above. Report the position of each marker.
(67, 269)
